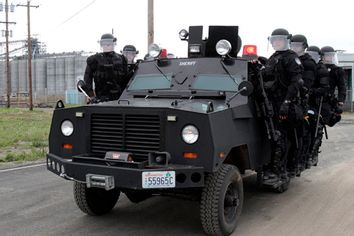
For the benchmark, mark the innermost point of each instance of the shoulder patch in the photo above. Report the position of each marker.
(297, 60)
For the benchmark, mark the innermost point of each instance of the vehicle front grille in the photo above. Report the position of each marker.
(138, 134)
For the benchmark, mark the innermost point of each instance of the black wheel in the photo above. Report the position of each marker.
(221, 201)
(95, 201)
(137, 196)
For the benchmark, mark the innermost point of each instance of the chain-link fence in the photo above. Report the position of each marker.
(53, 78)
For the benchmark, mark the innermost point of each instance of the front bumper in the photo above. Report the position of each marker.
(125, 177)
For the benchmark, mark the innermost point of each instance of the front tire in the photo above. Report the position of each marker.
(94, 201)
(221, 201)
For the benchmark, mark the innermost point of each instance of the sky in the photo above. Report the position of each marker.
(76, 25)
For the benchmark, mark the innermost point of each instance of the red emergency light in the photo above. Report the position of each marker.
(249, 50)
(163, 53)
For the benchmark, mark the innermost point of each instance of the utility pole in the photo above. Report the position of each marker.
(150, 22)
(8, 72)
(29, 44)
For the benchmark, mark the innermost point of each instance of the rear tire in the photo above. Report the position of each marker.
(94, 201)
(221, 201)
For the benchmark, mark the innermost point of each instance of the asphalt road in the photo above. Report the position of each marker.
(34, 201)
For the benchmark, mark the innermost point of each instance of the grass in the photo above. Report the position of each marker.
(23, 134)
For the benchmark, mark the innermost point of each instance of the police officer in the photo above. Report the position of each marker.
(320, 85)
(332, 113)
(108, 71)
(299, 45)
(299, 157)
(130, 52)
(282, 75)
(318, 92)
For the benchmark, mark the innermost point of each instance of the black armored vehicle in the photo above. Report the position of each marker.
(183, 126)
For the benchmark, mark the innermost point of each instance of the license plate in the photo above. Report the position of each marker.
(159, 179)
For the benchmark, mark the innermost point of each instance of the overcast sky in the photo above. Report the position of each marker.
(76, 25)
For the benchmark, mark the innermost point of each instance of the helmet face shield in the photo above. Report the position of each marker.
(279, 42)
(107, 45)
(298, 47)
(130, 55)
(330, 58)
(315, 55)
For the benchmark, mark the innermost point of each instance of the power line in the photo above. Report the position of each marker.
(29, 42)
(68, 19)
(77, 13)
(7, 68)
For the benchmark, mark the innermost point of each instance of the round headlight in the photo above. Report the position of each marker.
(154, 50)
(190, 134)
(183, 34)
(67, 127)
(223, 47)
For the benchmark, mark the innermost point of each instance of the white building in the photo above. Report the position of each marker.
(346, 60)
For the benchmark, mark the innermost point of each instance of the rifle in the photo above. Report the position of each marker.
(267, 110)
(318, 116)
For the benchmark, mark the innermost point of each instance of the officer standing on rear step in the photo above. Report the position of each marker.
(282, 77)
(299, 157)
(333, 104)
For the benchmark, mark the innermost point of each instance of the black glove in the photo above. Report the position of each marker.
(284, 110)
(304, 90)
(262, 60)
(339, 108)
(94, 100)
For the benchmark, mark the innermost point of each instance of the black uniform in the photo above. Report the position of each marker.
(109, 72)
(282, 74)
(331, 111)
(320, 86)
(336, 75)
(318, 92)
(300, 155)
(309, 72)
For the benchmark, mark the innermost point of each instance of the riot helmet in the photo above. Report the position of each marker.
(329, 55)
(280, 39)
(107, 42)
(130, 52)
(314, 52)
(298, 44)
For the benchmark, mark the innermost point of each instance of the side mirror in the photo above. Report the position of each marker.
(245, 88)
(81, 86)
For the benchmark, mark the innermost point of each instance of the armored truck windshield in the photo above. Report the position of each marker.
(215, 82)
(188, 77)
(151, 81)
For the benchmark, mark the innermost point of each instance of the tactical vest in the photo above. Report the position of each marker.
(109, 74)
(275, 75)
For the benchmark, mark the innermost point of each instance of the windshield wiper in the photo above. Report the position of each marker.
(226, 70)
(164, 75)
